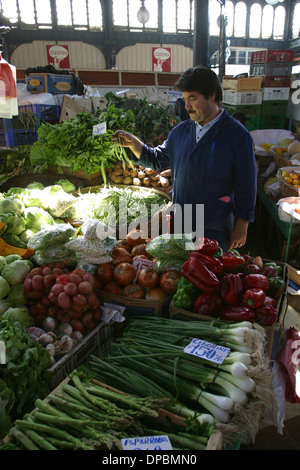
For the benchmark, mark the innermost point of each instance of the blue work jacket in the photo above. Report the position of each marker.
(219, 172)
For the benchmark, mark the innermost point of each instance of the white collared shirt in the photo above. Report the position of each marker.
(201, 130)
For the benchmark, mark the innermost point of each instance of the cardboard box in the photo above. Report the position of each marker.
(242, 84)
(158, 308)
(50, 83)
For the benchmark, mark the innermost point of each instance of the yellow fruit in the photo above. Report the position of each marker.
(296, 182)
(288, 179)
(285, 173)
(294, 176)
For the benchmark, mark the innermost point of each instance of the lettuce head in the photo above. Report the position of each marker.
(15, 223)
(36, 217)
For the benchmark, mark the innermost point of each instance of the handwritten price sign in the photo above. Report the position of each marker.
(147, 443)
(209, 351)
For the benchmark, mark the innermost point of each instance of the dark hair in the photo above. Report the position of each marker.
(201, 79)
(239, 117)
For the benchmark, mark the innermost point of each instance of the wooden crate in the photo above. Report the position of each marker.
(242, 84)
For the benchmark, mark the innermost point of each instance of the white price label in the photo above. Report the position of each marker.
(209, 351)
(99, 129)
(147, 443)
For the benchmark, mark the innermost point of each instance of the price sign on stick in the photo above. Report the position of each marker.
(209, 351)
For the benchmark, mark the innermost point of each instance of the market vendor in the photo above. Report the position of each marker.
(212, 161)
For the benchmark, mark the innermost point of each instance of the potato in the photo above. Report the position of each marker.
(149, 171)
(136, 182)
(164, 182)
(134, 173)
(155, 177)
(155, 184)
(128, 180)
(118, 179)
(126, 173)
(118, 171)
(147, 181)
(141, 174)
(166, 173)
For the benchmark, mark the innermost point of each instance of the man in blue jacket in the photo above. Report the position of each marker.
(212, 161)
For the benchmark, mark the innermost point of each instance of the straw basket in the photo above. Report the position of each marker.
(286, 188)
(279, 160)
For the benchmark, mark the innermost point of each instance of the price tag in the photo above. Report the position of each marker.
(209, 351)
(147, 443)
(99, 129)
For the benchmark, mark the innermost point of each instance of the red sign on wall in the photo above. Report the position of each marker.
(58, 56)
(161, 59)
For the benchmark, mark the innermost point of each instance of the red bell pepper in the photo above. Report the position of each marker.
(199, 275)
(237, 313)
(208, 304)
(269, 271)
(251, 269)
(231, 289)
(266, 315)
(214, 264)
(270, 301)
(256, 280)
(207, 246)
(248, 259)
(254, 297)
(232, 261)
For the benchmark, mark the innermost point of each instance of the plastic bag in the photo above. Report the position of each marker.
(288, 360)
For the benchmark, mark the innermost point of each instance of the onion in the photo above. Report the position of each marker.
(169, 280)
(113, 288)
(124, 273)
(120, 255)
(51, 349)
(135, 237)
(49, 324)
(148, 277)
(65, 329)
(156, 294)
(45, 338)
(105, 272)
(134, 291)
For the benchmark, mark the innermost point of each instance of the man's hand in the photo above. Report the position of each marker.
(238, 235)
(126, 139)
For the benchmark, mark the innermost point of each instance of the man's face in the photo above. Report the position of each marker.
(199, 108)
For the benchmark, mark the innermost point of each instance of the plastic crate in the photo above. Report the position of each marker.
(276, 81)
(270, 94)
(250, 110)
(95, 342)
(22, 129)
(272, 55)
(283, 69)
(272, 122)
(242, 97)
(274, 107)
(253, 123)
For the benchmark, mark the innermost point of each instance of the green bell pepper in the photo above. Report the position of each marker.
(276, 287)
(185, 295)
(276, 266)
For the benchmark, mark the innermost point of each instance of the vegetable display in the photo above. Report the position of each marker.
(27, 377)
(230, 286)
(85, 415)
(149, 358)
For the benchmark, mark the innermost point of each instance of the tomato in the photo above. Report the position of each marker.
(169, 280)
(124, 273)
(134, 291)
(148, 277)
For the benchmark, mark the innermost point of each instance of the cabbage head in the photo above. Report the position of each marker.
(15, 223)
(15, 192)
(18, 315)
(32, 198)
(17, 295)
(67, 186)
(4, 305)
(36, 217)
(11, 204)
(2, 262)
(35, 185)
(16, 271)
(13, 240)
(10, 258)
(4, 287)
